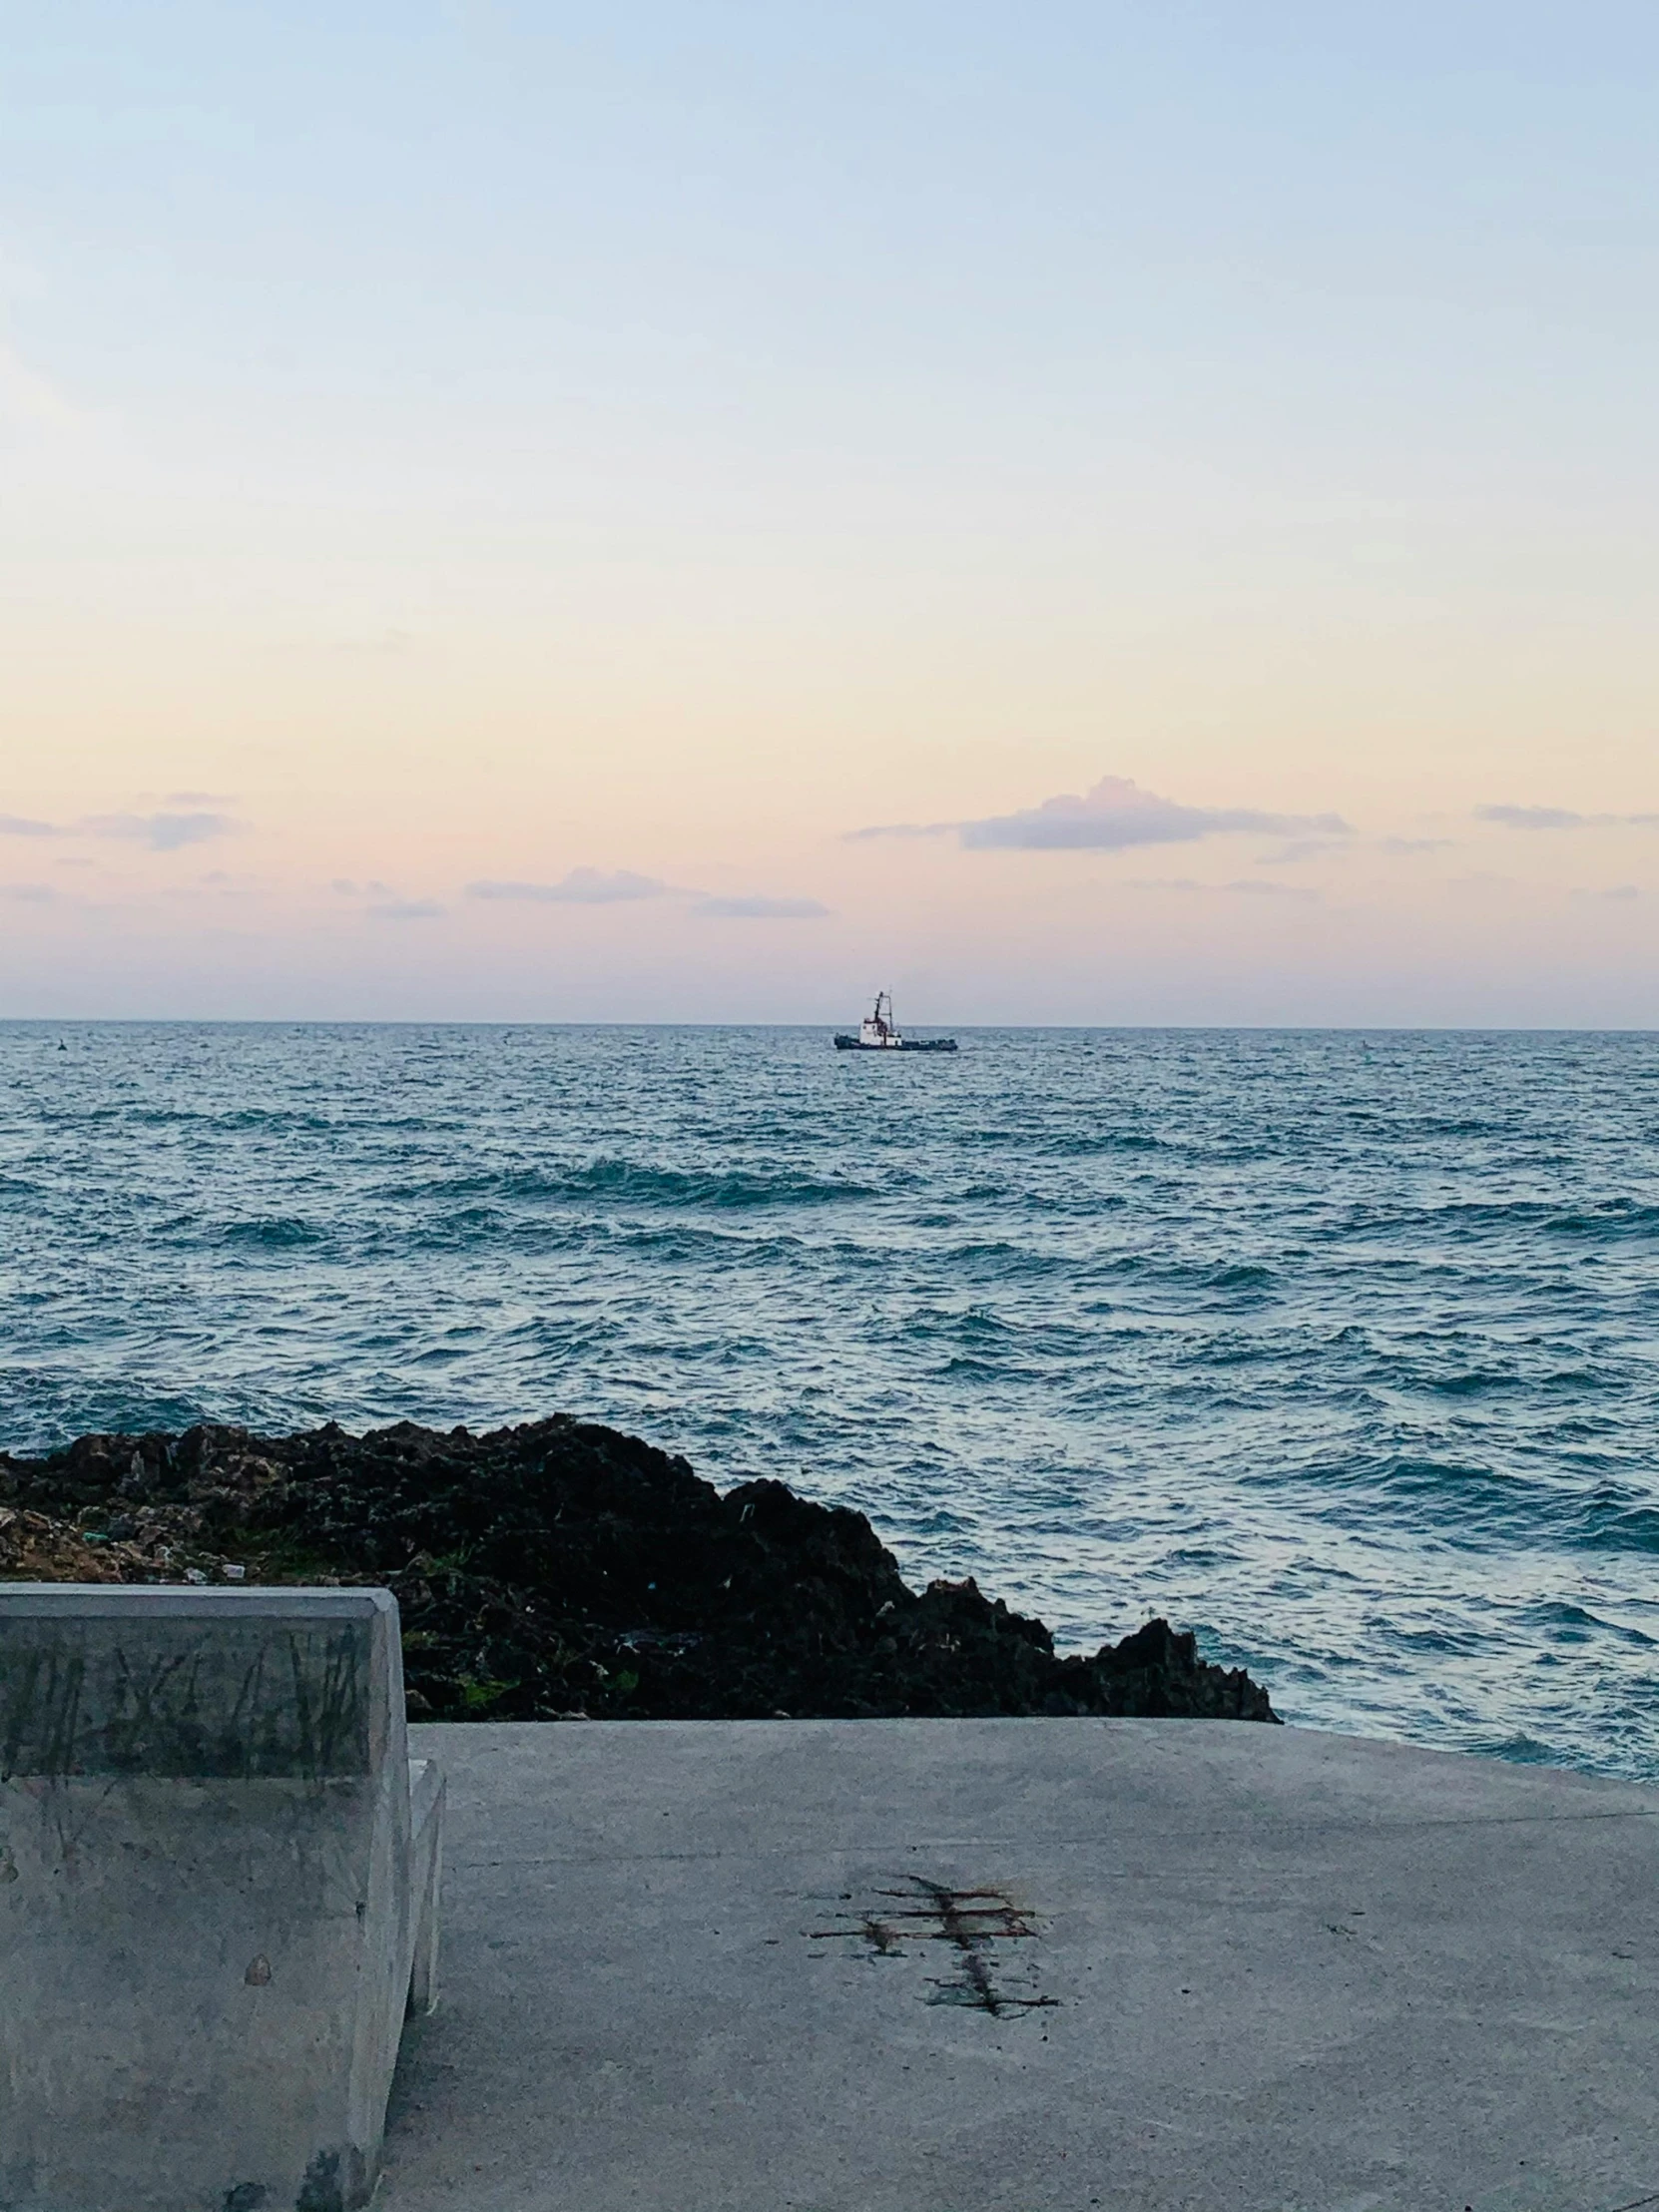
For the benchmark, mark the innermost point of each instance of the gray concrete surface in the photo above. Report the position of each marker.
(1030, 1966)
(217, 1884)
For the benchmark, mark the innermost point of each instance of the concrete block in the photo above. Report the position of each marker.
(218, 1895)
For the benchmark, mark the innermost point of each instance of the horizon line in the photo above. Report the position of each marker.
(1195, 1028)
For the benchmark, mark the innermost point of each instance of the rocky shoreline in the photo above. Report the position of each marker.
(560, 1571)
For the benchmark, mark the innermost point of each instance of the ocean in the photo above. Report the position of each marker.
(1339, 1347)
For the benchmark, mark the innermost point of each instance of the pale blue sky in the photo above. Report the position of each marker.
(1348, 242)
(485, 442)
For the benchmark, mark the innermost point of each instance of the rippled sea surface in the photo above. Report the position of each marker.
(1342, 1349)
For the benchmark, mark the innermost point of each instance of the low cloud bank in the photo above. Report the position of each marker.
(161, 832)
(1252, 886)
(1110, 817)
(760, 909)
(406, 909)
(1561, 817)
(591, 887)
(582, 886)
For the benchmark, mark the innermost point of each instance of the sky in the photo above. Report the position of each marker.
(1074, 513)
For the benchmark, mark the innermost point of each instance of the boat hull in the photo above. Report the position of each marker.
(907, 1044)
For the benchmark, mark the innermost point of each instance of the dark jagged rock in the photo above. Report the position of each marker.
(561, 1570)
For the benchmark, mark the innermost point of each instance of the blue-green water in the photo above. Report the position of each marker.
(1341, 1348)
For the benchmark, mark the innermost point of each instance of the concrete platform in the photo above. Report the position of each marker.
(1030, 1966)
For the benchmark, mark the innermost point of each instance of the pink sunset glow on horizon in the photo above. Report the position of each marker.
(1101, 527)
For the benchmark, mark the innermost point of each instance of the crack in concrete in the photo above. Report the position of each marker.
(971, 1920)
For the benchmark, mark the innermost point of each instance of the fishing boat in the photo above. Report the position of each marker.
(877, 1033)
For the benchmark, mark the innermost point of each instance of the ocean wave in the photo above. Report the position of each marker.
(274, 1233)
(1472, 1382)
(468, 1228)
(1578, 1624)
(1625, 1216)
(1630, 1526)
(1240, 1275)
(1090, 1142)
(1463, 1502)
(973, 1326)
(639, 1184)
(1612, 1217)
(996, 1261)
